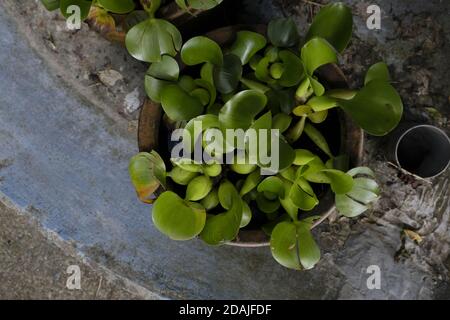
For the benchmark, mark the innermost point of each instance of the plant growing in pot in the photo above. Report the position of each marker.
(259, 84)
(256, 80)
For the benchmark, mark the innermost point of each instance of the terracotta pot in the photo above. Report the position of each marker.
(351, 136)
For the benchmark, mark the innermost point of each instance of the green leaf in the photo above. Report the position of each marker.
(302, 195)
(178, 219)
(283, 33)
(286, 202)
(247, 44)
(240, 111)
(179, 105)
(51, 5)
(211, 201)
(377, 108)
(333, 23)
(228, 75)
(254, 85)
(262, 71)
(251, 182)
(151, 39)
(267, 206)
(182, 177)
(281, 122)
(318, 139)
(200, 50)
(303, 157)
(147, 172)
(360, 198)
(341, 182)
(199, 188)
(293, 246)
(117, 6)
(378, 71)
(154, 87)
(246, 215)
(317, 52)
(293, 69)
(322, 103)
(166, 69)
(224, 227)
(273, 185)
(84, 5)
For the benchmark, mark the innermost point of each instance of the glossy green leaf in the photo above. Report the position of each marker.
(317, 137)
(251, 182)
(283, 33)
(247, 44)
(240, 111)
(246, 215)
(293, 246)
(267, 206)
(316, 53)
(151, 39)
(273, 185)
(360, 198)
(254, 85)
(302, 195)
(182, 177)
(199, 188)
(286, 202)
(322, 103)
(341, 182)
(262, 71)
(228, 75)
(178, 219)
(281, 122)
(117, 6)
(166, 69)
(147, 172)
(154, 87)
(211, 201)
(210, 88)
(293, 69)
(84, 5)
(188, 165)
(187, 83)
(378, 71)
(377, 108)
(303, 157)
(296, 131)
(213, 170)
(200, 50)
(224, 227)
(333, 23)
(179, 105)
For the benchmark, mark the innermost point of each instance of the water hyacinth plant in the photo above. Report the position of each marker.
(262, 81)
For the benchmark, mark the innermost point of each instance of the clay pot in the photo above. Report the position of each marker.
(351, 136)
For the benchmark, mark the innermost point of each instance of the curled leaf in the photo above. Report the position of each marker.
(334, 23)
(283, 33)
(178, 219)
(151, 39)
(247, 44)
(200, 50)
(147, 172)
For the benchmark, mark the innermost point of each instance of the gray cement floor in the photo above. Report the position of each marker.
(66, 137)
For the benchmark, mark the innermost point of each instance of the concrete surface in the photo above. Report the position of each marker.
(64, 150)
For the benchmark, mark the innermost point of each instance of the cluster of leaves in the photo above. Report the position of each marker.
(147, 38)
(257, 83)
(262, 83)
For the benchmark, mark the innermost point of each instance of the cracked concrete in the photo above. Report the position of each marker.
(65, 143)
